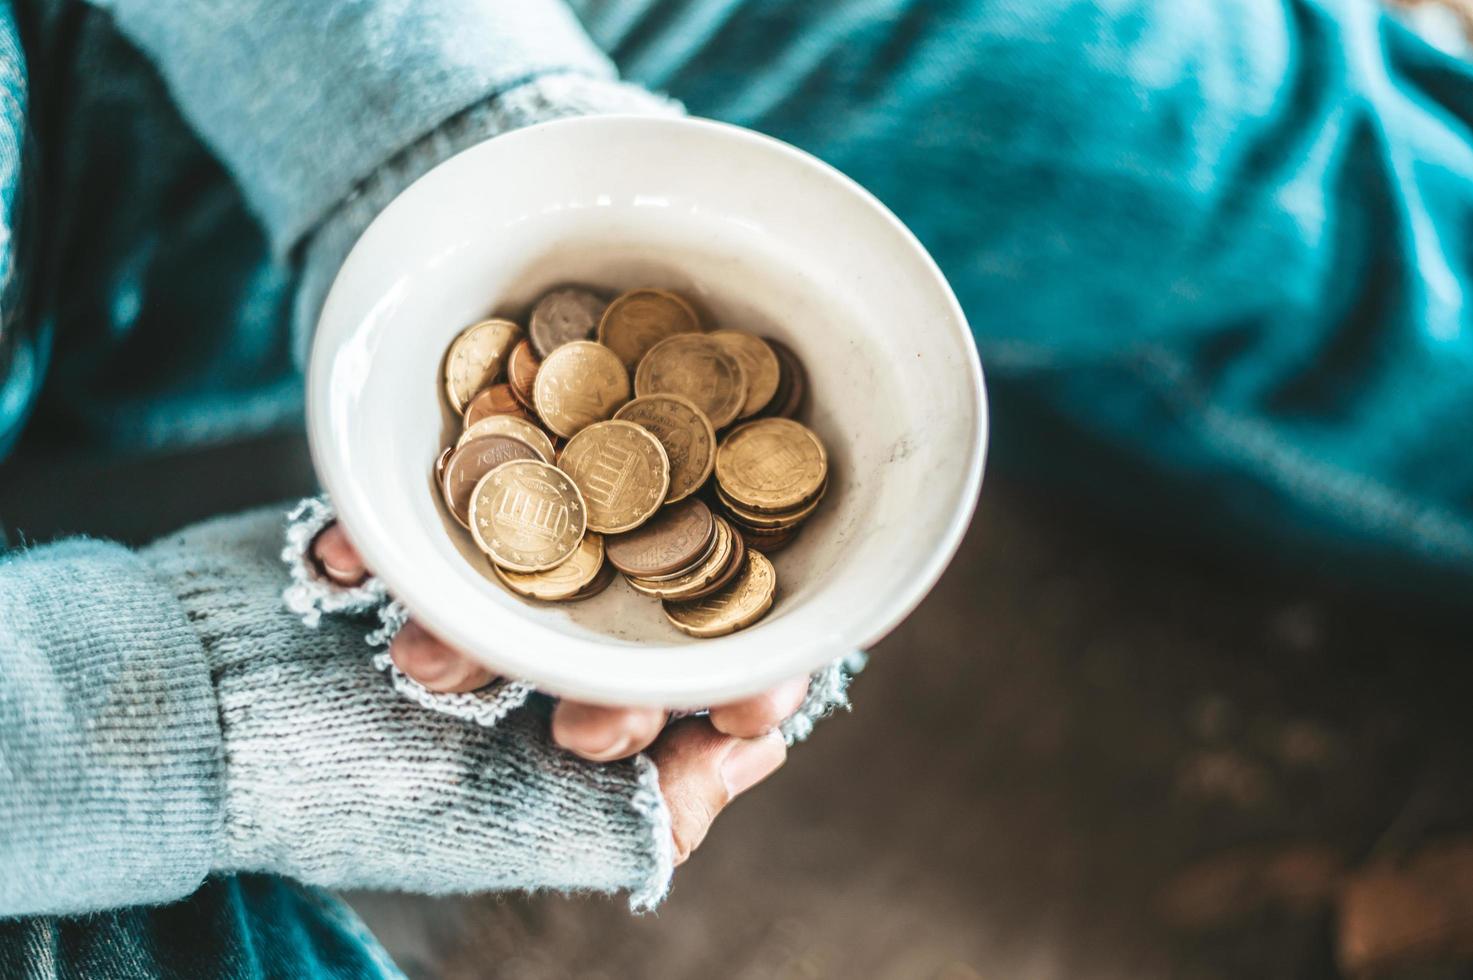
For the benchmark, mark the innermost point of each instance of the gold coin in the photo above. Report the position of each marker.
(698, 578)
(469, 463)
(686, 434)
(640, 319)
(621, 471)
(770, 521)
(475, 359)
(601, 581)
(771, 465)
(580, 383)
(735, 607)
(758, 361)
(565, 580)
(527, 515)
(698, 368)
(514, 426)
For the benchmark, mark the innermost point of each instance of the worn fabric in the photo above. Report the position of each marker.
(1216, 255)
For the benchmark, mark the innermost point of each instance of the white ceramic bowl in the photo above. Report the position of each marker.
(761, 237)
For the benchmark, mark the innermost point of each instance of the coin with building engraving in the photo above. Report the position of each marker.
(771, 465)
(774, 520)
(476, 358)
(640, 319)
(698, 368)
(578, 384)
(740, 604)
(564, 315)
(670, 542)
(758, 361)
(621, 471)
(684, 431)
(562, 582)
(468, 463)
(515, 426)
(527, 515)
(495, 400)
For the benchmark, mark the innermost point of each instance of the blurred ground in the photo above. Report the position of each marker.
(1084, 757)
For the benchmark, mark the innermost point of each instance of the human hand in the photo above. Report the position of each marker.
(703, 763)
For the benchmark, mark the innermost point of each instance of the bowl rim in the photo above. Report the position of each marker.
(656, 688)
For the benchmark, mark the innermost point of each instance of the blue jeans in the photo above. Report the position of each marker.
(1216, 255)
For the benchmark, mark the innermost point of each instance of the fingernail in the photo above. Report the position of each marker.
(342, 576)
(752, 761)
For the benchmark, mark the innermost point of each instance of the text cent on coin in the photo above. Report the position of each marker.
(622, 472)
(578, 384)
(563, 316)
(515, 426)
(698, 368)
(686, 434)
(671, 541)
(527, 515)
(472, 461)
(640, 319)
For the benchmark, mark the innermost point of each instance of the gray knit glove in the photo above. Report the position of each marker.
(333, 778)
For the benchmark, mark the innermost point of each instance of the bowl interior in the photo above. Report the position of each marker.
(759, 237)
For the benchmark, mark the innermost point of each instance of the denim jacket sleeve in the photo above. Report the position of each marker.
(248, 76)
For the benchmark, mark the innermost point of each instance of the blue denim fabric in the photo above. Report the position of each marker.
(1216, 255)
(240, 928)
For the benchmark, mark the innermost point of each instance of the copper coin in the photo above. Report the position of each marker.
(564, 315)
(670, 541)
(468, 464)
(788, 401)
(521, 372)
(735, 564)
(698, 580)
(495, 400)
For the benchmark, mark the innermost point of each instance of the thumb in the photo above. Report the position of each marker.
(702, 770)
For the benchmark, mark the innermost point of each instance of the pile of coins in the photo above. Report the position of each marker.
(589, 444)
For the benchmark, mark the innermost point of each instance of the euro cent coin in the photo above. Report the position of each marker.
(621, 471)
(697, 368)
(740, 604)
(527, 516)
(685, 432)
(578, 384)
(771, 465)
(641, 318)
(476, 358)
(758, 361)
(564, 315)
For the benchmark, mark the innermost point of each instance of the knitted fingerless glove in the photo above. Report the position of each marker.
(332, 777)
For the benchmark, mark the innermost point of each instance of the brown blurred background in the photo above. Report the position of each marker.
(1086, 756)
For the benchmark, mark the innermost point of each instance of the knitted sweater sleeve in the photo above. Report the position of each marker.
(163, 716)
